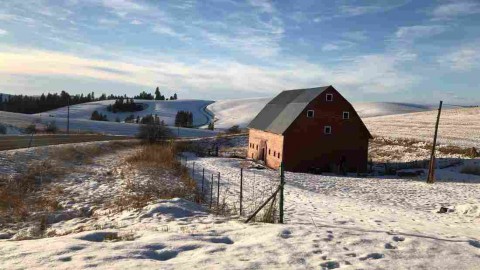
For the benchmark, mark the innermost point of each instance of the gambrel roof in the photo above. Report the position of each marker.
(280, 113)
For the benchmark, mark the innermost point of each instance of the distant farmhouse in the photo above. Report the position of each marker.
(314, 129)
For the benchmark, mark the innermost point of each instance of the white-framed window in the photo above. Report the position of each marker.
(310, 113)
(346, 115)
(327, 129)
(329, 97)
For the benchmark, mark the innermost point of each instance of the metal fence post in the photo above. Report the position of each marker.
(241, 190)
(218, 191)
(211, 192)
(203, 179)
(282, 183)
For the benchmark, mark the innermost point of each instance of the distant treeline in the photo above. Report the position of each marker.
(37, 104)
(124, 105)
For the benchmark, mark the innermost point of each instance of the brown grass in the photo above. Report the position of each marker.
(165, 177)
(30, 191)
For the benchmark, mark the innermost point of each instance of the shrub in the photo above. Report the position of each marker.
(3, 129)
(211, 126)
(51, 127)
(124, 105)
(30, 129)
(234, 130)
(153, 132)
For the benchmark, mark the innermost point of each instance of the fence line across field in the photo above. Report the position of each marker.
(212, 197)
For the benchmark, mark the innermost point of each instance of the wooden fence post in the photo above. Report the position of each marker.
(241, 190)
(282, 182)
(193, 171)
(431, 170)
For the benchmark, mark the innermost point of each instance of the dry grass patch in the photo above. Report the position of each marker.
(163, 177)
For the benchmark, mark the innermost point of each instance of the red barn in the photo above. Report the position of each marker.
(310, 129)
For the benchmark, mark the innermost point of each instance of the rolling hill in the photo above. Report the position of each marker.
(242, 111)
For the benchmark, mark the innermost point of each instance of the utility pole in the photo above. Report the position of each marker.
(431, 169)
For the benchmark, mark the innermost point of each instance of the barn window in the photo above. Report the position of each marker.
(310, 113)
(274, 153)
(329, 97)
(257, 146)
(327, 130)
(269, 151)
(278, 154)
(346, 115)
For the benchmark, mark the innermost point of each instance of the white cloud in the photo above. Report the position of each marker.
(167, 30)
(464, 58)
(3, 32)
(124, 7)
(136, 22)
(419, 31)
(263, 5)
(357, 36)
(371, 73)
(455, 9)
(337, 45)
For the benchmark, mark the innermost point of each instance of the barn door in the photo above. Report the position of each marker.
(263, 150)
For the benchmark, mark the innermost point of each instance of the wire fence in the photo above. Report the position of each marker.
(247, 193)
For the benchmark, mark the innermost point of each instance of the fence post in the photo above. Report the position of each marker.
(241, 190)
(211, 192)
(193, 171)
(282, 182)
(203, 180)
(218, 191)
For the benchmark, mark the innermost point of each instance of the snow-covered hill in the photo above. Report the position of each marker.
(457, 126)
(166, 110)
(22, 120)
(242, 111)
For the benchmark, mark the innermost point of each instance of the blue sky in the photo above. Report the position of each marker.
(396, 50)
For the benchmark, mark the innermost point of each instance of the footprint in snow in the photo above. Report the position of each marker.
(474, 243)
(330, 265)
(373, 256)
(398, 238)
(390, 246)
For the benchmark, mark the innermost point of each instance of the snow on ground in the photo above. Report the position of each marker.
(166, 110)
(331, 221)
(22, 120)
(242, 111)
(459, 127)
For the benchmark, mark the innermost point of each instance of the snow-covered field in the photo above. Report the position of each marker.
(23, 120)
(242, 111)
(166, 110)
(331, 222)
(457, 126)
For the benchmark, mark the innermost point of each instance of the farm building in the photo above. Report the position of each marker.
(313, 129)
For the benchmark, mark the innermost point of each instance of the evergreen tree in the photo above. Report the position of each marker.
(157, 94)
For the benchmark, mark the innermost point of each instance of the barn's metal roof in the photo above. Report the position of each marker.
(280, 113)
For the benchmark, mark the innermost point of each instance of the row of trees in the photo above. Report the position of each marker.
(98, 116)
(158, 96)
(124, 105)
(37, 104)
(184, 119)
